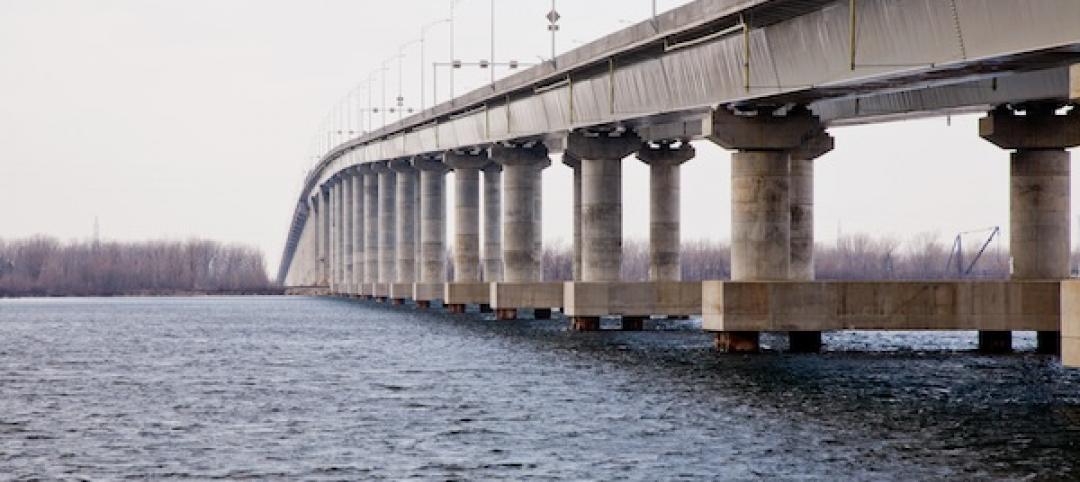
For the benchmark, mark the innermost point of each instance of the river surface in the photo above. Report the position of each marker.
(306, 388)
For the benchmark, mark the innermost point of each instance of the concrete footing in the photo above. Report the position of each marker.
(505, 314)
(423, 304)
(515, 296)
(671, 298)
(738, 341)
(456, 308)
(585, 323)
(471, 293)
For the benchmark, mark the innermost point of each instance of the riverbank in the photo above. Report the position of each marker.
(275, 291)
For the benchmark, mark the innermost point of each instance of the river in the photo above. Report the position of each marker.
(308, 388)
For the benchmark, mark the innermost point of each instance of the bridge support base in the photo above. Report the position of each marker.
(585, 323)
(485, 308)
(738, 341)
(423, 304)
(456, 308)
(542, 313)
(505, 314)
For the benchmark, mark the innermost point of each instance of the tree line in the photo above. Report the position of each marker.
(44, 266)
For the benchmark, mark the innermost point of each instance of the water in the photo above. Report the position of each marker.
(302, 388)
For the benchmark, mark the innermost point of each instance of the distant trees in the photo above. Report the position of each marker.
(855, 257)
(42, 266)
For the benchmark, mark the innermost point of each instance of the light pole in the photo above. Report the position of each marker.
(401, 76)
(423, 63)
(383, 71)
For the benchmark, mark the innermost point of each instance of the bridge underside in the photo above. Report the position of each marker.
(762, 78)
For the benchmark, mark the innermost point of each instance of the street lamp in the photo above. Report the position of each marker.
(423, 63)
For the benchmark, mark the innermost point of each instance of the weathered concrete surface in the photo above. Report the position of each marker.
(432, 220)
(371, 231)
(466, 213)
(428, 291)
(401, 291)
(601, 156)
(521, 165)
(593, 299)
(526, 295)
(491, 257)
(358, 224)
(1039, 214)
(473, 293)
(405, 215)
(381, 290)
(760, 216)
(892, 305)
(665, 163)
(575, 164)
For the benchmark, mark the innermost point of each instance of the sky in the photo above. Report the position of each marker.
(199, 118)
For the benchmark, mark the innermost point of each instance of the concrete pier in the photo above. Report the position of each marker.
(601, 156)
(346, 233)
(335, 243)
(324, 235)
(521, 257)
(405, 176)
(466, 167)
(1039, 199)
(492, 253)
(761, 197)
(371, 232)
(358, 228)
(574, 163)
(387, 228)
(665, 160)
(432, 230)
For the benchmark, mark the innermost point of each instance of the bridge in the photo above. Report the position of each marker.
(765, 79)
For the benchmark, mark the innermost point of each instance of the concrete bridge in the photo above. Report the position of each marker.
(763, 78)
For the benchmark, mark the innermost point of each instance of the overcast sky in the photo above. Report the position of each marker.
(170, 119)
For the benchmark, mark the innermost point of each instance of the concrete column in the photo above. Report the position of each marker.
(665, 161)
(761, 197)
(466, 214)
(492, 254)
(357, 210)
(387, 223)
(371, 229)
(600, 155)
(520, 167)
(761, 216)
(324, 235)
(432, 220)
(406, 219)
(1039, 203)
(347, 220)
(575, 164)
(601, 158)
(335, 223)
(416, 224)
(538, 216)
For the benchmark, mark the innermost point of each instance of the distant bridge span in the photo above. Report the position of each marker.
(764, 78)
